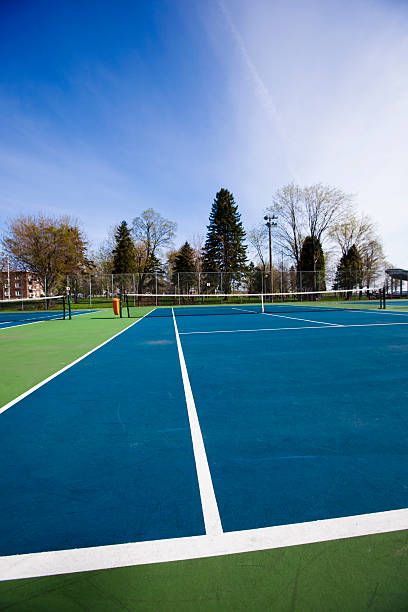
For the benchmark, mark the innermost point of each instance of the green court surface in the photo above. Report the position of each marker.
(359, 573)
(29, 354)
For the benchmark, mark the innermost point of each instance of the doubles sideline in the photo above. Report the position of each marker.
(65, 368)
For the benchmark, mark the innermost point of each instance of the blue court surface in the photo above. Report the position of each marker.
(303, 416)
(13, 319)
(397, 303)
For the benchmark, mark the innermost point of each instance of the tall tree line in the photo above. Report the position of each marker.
(313, 223)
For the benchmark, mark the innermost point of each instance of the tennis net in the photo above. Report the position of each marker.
(31, 310)
(162, 305)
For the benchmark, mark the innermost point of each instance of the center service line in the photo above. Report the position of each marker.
(209, 505)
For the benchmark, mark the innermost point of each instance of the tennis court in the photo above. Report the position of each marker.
(25, 311)
(194, 436)
(290, 418)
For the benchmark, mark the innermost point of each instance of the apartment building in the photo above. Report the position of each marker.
(22, 285)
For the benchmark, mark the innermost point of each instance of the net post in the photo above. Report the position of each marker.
(127, 305)
(120, 305)
(384, 299)
(67, 302)
(262, 303)
(63, 308)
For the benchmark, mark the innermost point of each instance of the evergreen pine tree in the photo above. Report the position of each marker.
(124, 251)
(349, 273)
(184, 268)
(255, 278)
(224, 249)
(312, 265)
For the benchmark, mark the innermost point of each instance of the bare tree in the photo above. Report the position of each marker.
(153, 231)
(102, 256)
(361, 231)
(291, 229)
(324, 207)
(258, 239)
(197, 242)
(353, 230)
(306, 211)
(373, 258)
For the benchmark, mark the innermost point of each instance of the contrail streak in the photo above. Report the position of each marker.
(261, 89)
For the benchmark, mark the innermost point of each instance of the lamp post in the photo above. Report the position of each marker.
(271, 221)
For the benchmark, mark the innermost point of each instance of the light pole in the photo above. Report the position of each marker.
(281, 271)
(271, 221)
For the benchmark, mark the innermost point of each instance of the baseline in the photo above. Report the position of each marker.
(52, 563)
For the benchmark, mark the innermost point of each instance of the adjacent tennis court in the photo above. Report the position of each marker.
(193, 436)
(26, 311)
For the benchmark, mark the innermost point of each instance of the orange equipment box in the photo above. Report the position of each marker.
(116, 306)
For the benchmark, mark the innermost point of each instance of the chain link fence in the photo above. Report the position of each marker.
(97, 289)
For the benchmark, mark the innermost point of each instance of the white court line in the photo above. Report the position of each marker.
(161, 551)
(64, 369)
(52, 318)
(277, 329)
(271, 314)
(379, 312)
(209, 505)
(16, 324)
(244, 310)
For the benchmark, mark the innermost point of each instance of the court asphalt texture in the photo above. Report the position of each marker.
(369, 572)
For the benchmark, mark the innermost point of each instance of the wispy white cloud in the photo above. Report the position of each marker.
(339, 105)
(262, 92)
(249, 96)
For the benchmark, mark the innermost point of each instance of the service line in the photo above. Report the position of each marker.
(293, 329)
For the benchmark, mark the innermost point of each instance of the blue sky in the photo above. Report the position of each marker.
(111, 107)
